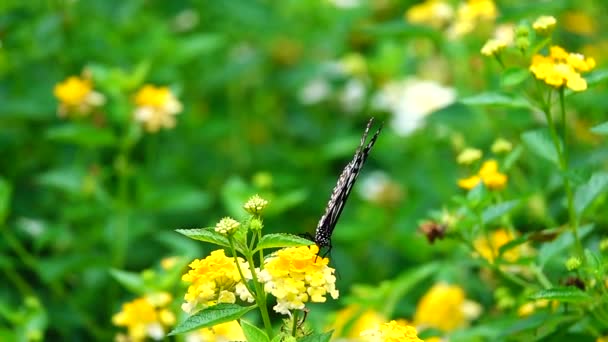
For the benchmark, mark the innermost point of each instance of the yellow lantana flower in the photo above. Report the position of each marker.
(351, 321)
(435, 13)
(544, 24)
(488, 247)
(469, 155)
(223, 332)
(156, 107)
(146, 317)
(76, 96)
(392, 332)
(215, 279)
(298, 275)
(488, 174)
(493, 47)
(445, 307)
(561, 68)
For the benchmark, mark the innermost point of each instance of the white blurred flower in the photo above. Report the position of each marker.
(345, 4)
(410, 101)
(314, 91)
(353, 95)
(378, 187)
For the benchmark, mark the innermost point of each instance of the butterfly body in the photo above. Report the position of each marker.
(342, 190)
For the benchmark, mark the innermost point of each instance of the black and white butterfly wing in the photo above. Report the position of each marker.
(344, 186)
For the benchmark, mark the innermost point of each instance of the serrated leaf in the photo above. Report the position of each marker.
(586, 193)
(496, 99)
(253, 333)
(206, 235)
(213, 315)
(321, 337)
(564, 241)
(80, 134)
(540, 143)
(562, 294)
(282, 240)
(496, 211)
(514, 76)
(601, 129)
(129, 280)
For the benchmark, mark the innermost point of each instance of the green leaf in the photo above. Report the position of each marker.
(205, 234)
(496, 99)
(563, 294)
(601, 129)
(498, 210)
(597, 76)
(321, 337)
(213, 315)
(540, 143)
(81, 134)
(586, 193)
(253, 333)
(565, 240)
(403, 284)
(5, 199)
(514, 76)
(282, 240)
(129, 280)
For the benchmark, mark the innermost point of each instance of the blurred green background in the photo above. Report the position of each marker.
(276, 95)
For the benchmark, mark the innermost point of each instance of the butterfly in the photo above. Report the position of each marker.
(343, 187)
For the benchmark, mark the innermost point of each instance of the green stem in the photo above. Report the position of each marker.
(294, 328)
(542, 279)
(238, 267)
(260, 298)
(563, 166)
(261, 252)
(569, 192)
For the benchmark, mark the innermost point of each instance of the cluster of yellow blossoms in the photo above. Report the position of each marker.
(156, 107)
(459, 21)
(297, 275)
(488, 247)
(215, 279)
(445, 307)
(488, 174)
(77, 97)
(392, 331)
(146, 317)
(562, 68)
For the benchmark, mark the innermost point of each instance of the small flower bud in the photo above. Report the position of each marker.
(256, 224)
(544, 25)
(493, 47)
(603, 244)
(255, 205)
(227, 226)
(522, 31)
(522, 43)
(468, 156)
(501, 146)
(573, 263)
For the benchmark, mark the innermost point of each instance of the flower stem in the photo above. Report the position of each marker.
(294, 328)
(260, 298)
(563, 166)
(238, 267)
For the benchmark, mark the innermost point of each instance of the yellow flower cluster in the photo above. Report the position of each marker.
(493, 47)
(156, 107)
(298, 275)
(488, 174)
(444, 307)
(223, 332)
(468, 156)
(351, 321)
(145, 317)
(392, 331)
(215, 279)
(488, 247)
(544, 24)
(440, 14)
(76, 96)
(562, 68)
